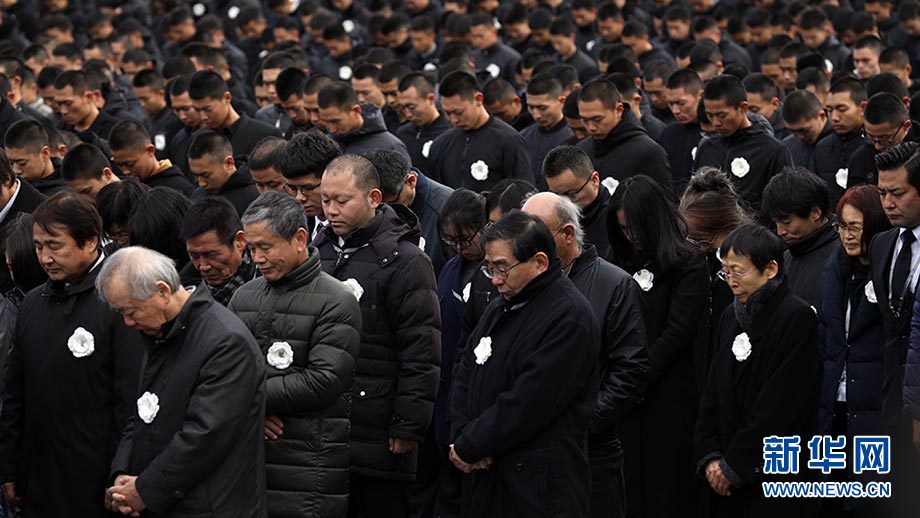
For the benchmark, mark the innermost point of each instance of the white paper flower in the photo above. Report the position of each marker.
(280, 355)
(426, 148)
(493, 69)
(870, 293)
(233, 12)
(159, 141)
(345, 72)
(841, 177)
(611, 184)
(348, 25)
(590, 45)
(466, 291)
(198, 10)
(147, 407)
(479, 170)
(354, 287)
(814, 309)
(483, 350)
(429, 67)
(421, 243)
(829, 65)
(693, 153)
(740, 167)
(645, 279)
(741, 347)
(81, 343)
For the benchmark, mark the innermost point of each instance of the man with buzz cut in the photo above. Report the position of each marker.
(549, 130)
(355, 126)
(211, 161)
(86, 170)
(28, 149)
(135, 153)
(424, 121)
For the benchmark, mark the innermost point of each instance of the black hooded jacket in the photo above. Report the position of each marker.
(805, 260)
(628, 151)
(832, 158)
(371, 135)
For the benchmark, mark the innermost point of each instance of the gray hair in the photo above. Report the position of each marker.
(570, 214)
(283, 214)
(141, 268)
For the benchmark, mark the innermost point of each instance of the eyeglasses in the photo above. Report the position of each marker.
(572, 194)
(500, 272)
(699, 243)
(303, 190)
(722, 274)
(460, 242)
(886, 141)
(853, 230)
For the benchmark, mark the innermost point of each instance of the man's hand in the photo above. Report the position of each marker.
(274, 428)
(119, 481)
(716, 478)
(465, 467)
(401, 446)
(916, 437)
(125, 497)
(9, 492)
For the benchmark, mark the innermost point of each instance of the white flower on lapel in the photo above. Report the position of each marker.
(345, 72)
(693, 153)
(81, 343)
(466, 291)
(483, 350)
(159, 141)
(354, 287)
(841, 177)
(814, 309)
(829, 65)
(740, 167)
(426, 148)
(349, 26)
(421, 243)
(870, 293)
(741, 347)
(199, 9)
(429, 67)
(645, 279)
(493, 69)
(147, 407)
(233, 12)
(280, 355)
(479, 170)
(611, 184)
(590, 45)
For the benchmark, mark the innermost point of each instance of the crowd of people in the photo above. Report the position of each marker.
(478, 258)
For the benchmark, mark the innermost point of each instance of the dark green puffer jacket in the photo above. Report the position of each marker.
(319, 318)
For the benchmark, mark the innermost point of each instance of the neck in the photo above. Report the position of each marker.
(176, 303)
(433, 116)
(569, 254)
(483, 119)
(88, 121)
(47, 167)
(232, 117)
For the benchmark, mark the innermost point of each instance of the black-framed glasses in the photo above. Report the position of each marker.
(461, 242)
(303, 190)
(853, 230)
(885, 141)
(572, 194)
(501, 272)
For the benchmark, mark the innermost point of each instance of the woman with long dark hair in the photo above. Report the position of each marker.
(648, 239)
(155, 222)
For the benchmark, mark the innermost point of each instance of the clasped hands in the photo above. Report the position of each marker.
(717, 480)
(123, 497)
(466, 467)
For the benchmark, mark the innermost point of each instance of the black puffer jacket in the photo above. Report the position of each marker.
(628, 151)
(396, 377)
(307, 467)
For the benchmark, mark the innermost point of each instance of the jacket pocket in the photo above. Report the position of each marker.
(526, 477)
(371, 408)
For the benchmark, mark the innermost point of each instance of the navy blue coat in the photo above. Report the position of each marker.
(861, 351)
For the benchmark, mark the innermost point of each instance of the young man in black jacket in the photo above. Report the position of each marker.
(885, 124)
(28, 149)
(135, 153)
(210, 159)
(807, 123)
(832, 154)
(356, 127)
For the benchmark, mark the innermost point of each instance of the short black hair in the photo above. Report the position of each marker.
(115, 202)
(211, 144)
(176, 66)
(658, 69)
(75, 79)
(393, 70)
(635, 29)
(562, 27)
(686, 79)
(600, 90)
(756, 243)
(904, 155)
(544, 84)
(308, 153)
(362, 169)
(885, 108)
(422, 83)
(316, 82)
(337, 94)
(508, 194)
(567, 158)
(155, 221)
(498, 90)
(206, 84)
(459, 84)
(869, 42)
(26, 134)
(762, 85)
(7, 176)
(148, 78)
(812, 76)
(211, 213)
(566, 73)
(795, 190)
(128, 134)
(85, 162)
(392, 167)
(813, 18)
(894, 56)
(728, 89)
(526, 234)
(290, 82)
(463, 209)
(267, 153)
(852, 86)
(888, 83)
(801, 105)
(19, 248)
(365, 71)
(71, 211)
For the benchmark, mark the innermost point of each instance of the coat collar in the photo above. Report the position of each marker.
(552, 275)
(197, 303)
(302, 275)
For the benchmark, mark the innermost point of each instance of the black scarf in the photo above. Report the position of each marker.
(745, 312)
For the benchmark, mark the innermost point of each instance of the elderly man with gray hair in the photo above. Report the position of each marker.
(308, 325)
(624, 362)
(194, 447)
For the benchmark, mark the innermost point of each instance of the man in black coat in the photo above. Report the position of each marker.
(619, 146)
(807, 123)
(623, 358)
(833, 152)
(135, 154)
(9, 115)
(569, 173)
(894, 258)
(74, 93)
(491, 55)
(745, 150)
(512, 422)
(356, 127)
(16, 197)
(684, 91)
(195, 444)
(28, 149)
(211, 161)
(150, 89)
(885, 124)
(425, 122)
(549, 130)
(71, 376)
(374, 248)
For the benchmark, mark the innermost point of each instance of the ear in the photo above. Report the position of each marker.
(637, 99)
(638, 82)
(356, 109)
(150, 149)
(376, 197)
(909, 69)
(815, 214)
(431, 98)
(772, 269)
(862, 106)
(229, 163)
(163, 290)
(595, 179)
(228, 97)
(619, 109)
(744, 106)
(45, 152)
(775, 102)
(906, 101)
(412, 180)
(542, 261)
(107, 174)
(478, 97)
(302, 238)
(239, 241)
(907, 124)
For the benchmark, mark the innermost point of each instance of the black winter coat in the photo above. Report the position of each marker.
(396, 377)
(803, 154)
(371, 135)
(528, 405)
(429, 198)
(628, 151)
(239, 190)
(832, 158)
(318, 317)
(246, 132)
(805, 261)
(27, 199)
(63, 415)
(418, 142)
(746, 401)
(203, 452)
(680, 141)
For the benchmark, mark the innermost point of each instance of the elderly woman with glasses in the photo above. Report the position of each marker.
(764, 381)
(852, 323)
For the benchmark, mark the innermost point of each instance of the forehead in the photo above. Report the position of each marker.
(498, 251)
(879, 128)
(539, 99)
(716, 105)
(15, 152)
(338, 181)
(67, 91)
(595, 106)
(366, 82)
(269, 173)
(202, 164)
(204, 101)
(733, 259)
(455, 101)
(840, 98)
(892, 179)
(54, 231)
(127, 154)
(207, 239)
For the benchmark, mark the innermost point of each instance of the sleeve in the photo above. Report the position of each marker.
(859, 166)
(330, 364)
(415, 311)
(780, 406)
(912, 367)
(781, 158)
(127, 358)
(11, 417)
(625, 365)
(459, 413)
(517, 160)
(214, 419)
(706, 437)
(657, 165)
(534, 400)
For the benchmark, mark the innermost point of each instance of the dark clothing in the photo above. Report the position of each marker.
(861, 168)
(653, 125)
(594, 222)
(165, 125)
(51, 184)
(835, 52)
(178, 150)
(396, 377)
(495, 148)
(732, 54)
(27, 199)
(98, 131)
(748, 400)
(246, 132)
(499, 60)
(418, 141)
(239, 190)
(751, 155)
(779, 124)
(429, 198)
(391, 119)
(680, 141)
(656, 54)
(246, 272)
(275, 116)
(541, 141)
(203, 451)
(832, 157)
(803, 155)
(9, 115)
(508, 406)
(628, 151)
(64, 411)
(584, 65)
(371, 135)
(805, 260)
(307, 467)
(522, 120)
(173, 178)
(340, 68)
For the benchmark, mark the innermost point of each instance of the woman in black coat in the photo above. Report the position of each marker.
(764, 381)
(648, 240)
(851, 393)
